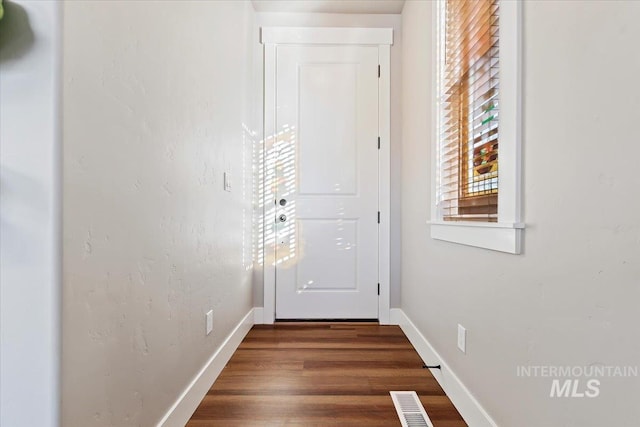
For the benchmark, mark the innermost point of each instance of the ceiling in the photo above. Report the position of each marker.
(329, 6)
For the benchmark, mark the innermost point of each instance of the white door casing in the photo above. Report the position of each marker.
(325, 108)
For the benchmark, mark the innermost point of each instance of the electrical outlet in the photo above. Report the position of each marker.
(462, 339)
(227, 181)
(209, 317)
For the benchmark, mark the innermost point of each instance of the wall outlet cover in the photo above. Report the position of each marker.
(209, 317)
(227, 181)
(462, 339)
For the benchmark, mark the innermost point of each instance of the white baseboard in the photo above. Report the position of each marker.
(258, 315)
(179, 414)
(462, 399)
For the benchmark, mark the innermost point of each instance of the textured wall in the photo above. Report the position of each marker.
(155, 110)
(572, 297)
(30, 253)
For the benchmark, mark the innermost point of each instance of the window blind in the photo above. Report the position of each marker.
(467, 187)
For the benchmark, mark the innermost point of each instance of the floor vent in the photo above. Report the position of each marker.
(410, 409)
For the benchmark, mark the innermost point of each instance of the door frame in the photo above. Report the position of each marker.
(271, 38)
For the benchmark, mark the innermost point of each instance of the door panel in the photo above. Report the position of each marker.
(326, 114)
(327, 172)
(330, 258)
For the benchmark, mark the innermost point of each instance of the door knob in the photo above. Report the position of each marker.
(282, 218)
(283, 202)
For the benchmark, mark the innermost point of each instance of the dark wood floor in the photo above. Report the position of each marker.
(321, 374)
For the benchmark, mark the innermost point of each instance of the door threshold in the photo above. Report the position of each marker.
(327, 320)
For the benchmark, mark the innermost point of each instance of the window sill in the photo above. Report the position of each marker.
(496, 236)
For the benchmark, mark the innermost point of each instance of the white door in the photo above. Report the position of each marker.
(327, 182)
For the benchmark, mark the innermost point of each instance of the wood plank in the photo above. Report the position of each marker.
(321, 374)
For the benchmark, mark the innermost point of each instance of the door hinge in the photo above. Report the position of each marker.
(378, 217)
(378, 70)
(378, 288)
(378, 143)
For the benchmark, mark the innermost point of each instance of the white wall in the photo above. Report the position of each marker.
(268, 19)
(30, 254)
(155, 109)
(572, 297)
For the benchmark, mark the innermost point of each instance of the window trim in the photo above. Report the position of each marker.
(506, 234)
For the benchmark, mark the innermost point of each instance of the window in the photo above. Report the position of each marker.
(476, 145)
(469, 111)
